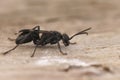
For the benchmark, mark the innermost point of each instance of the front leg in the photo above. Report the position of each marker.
(61, 50)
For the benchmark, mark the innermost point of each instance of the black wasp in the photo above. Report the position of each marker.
(47, 37)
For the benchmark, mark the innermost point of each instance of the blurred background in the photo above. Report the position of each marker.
(63, 15)
(69, 16)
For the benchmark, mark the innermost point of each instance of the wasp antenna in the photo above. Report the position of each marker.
(81, 32)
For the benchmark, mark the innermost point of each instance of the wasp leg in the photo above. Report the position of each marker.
(10, 50)
(73, 43)
(11, 39)
(61, 50)
(34, 51)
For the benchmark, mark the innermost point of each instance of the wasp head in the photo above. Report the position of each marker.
(65, 39)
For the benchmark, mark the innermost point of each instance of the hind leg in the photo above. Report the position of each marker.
(73, 43)
(10, 50)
